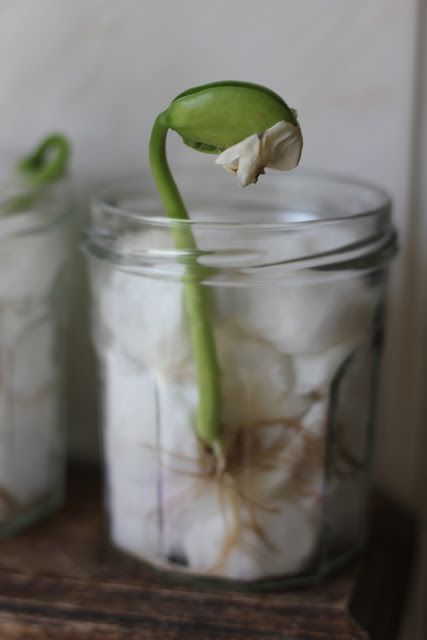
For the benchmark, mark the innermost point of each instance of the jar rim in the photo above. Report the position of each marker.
(279, 226)
(99, 199)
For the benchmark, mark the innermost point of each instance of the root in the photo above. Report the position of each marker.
(229, 472)
(234, 531)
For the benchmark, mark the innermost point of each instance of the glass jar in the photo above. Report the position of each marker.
(295, 271)
(34, 255)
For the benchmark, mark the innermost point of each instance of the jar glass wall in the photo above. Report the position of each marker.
(295, 271)
(34, 256)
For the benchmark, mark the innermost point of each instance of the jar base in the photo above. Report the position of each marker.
(38, 512)
(270, 583)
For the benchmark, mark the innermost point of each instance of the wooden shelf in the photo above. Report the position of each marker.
(63, 580)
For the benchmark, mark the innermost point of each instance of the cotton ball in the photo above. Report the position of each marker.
(131, 414)
(181, 462)
(143, 314)
(315, 372)
(305, 317)
(177, 402)
(220, 542)
(133, 534)
(271, 454)
(211, 531)
(133, 506)
(256, 381)
(146, 319)
(134, 509)
(307, 311)
(131, 453)
(179, 445)
(292, 535)
(210, 521)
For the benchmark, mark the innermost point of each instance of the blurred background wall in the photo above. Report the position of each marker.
(100, 70)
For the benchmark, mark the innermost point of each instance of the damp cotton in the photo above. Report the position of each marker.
(34, 256)
(296, 314)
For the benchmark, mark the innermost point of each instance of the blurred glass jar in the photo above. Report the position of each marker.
(34, 256)
(296, 269)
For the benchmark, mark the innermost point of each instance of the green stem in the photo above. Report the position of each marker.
(46, 164)
(196, 297)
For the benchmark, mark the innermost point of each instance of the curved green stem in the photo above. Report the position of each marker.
(196, 298)
(47, 162)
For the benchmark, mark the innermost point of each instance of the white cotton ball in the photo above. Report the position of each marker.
(315, 372)
(133, 502)
(302, 318)
(306, 312)
(256, 380)
(144, 315)
(177, 406)
(220, 541)
(284, 459)
(205, 525)
(184, 541)
(134, 534)
(292, 534)
(180, 448)
(131, 452)
(131, 413)
(270, 454)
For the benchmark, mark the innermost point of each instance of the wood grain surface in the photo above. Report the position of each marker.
(63, 580)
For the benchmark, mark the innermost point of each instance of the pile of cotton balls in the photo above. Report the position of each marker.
(30, 411)
(279, 347)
